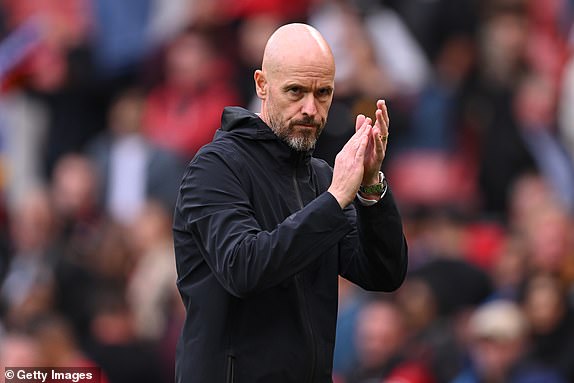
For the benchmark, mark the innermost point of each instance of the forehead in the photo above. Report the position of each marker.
(304, 71)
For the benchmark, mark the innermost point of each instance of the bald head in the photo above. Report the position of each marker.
(294, 44)
(295, 84)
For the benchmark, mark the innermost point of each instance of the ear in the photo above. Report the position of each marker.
(260, 84)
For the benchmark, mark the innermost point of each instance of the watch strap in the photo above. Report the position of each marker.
(378, 188)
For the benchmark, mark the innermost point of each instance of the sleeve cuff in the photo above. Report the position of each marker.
(370, 202)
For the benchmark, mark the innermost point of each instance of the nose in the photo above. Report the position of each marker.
(309, 107)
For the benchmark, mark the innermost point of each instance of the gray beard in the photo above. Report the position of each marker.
(299, 143)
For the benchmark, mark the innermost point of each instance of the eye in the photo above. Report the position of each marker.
(324, 92)
(294, 90)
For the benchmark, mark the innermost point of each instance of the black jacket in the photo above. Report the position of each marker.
(259, 244)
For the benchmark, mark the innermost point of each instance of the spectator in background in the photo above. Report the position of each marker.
(440, 290)
(74, 196)
(105, 261)
(61, 75)
(549, 241)
(381, 336)
(74, 193)
(114, 346)
(529, 194)
(540, 230)
(28, 287)
(151, 288)
(57, 343)
(510, 269)
(432, 23)
(551, 323)
(23, 132)
(131, 168)
(502, 154)
(432, 335)
(499, 337)
(406, 65)
(183, 113)
(434, 126)
(534, 110)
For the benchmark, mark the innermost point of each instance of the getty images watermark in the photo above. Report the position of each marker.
(52, 375)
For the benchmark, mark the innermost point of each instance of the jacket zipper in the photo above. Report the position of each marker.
(230, 376)
(301, 293)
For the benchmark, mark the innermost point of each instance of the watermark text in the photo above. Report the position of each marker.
(52, 374)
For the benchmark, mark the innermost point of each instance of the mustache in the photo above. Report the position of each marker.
(307, 121)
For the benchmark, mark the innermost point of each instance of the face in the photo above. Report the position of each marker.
(494, 358)
(380, 334)
(296, 100)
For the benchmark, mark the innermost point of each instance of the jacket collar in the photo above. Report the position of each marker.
(243, 123)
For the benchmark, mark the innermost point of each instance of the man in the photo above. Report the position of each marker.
(262, 230)
(498, 347)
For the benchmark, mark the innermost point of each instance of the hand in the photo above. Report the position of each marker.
(377, 146)
(349, 165)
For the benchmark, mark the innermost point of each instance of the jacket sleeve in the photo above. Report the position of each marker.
(375, 255)
(214, 207)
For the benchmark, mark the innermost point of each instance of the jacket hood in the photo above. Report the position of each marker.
(244, 123)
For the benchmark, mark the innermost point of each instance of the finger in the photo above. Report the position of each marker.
(359, 121)
(371, 133)
(380, 139)
(383, 108)
(374, 136)
(380, 104)
(369, 122)
(361, 130)
(366, 122)
(365, 130)
(362, 148)
(353, 142)
(376, 132)
(380, 120)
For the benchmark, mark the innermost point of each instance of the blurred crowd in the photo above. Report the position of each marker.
(103, 102)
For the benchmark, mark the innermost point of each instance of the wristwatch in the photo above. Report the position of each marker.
(378, 188)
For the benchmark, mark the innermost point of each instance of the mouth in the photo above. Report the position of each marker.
(307, 126)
